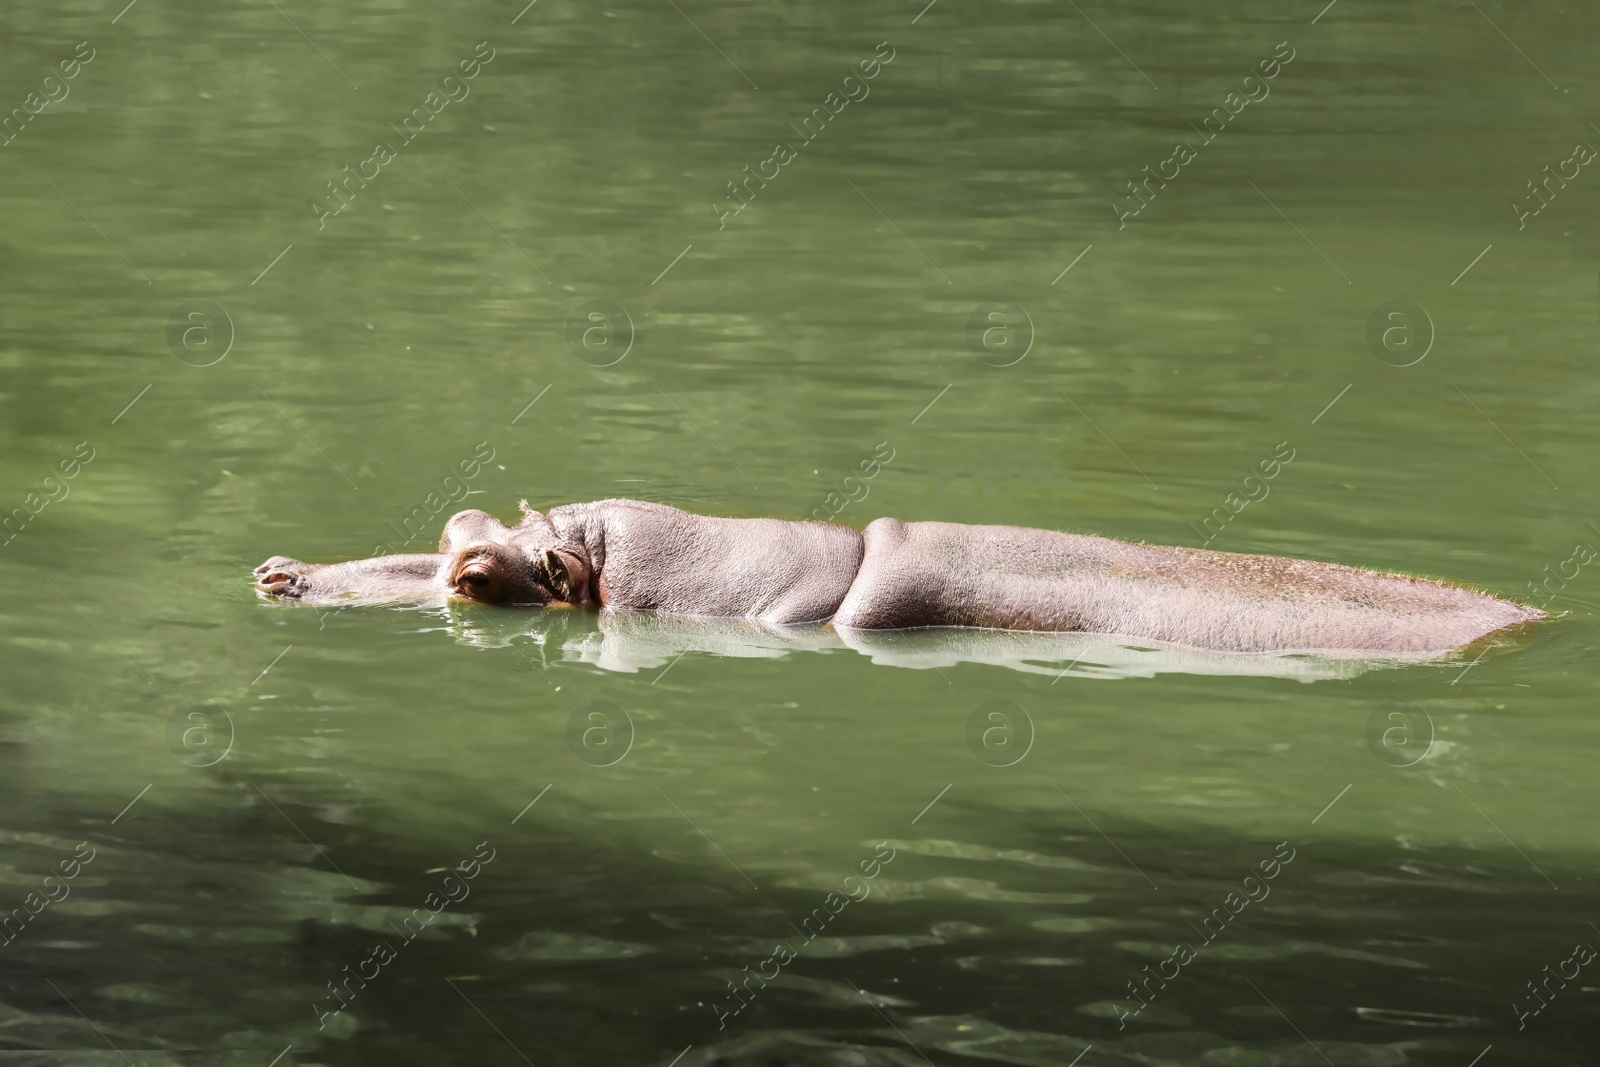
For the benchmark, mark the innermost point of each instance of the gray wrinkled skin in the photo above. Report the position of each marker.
(628, 555)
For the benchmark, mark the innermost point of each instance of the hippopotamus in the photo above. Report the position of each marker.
(631, 555)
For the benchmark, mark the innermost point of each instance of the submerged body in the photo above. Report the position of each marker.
(632, 555)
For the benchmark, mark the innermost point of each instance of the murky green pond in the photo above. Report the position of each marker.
(282, 278)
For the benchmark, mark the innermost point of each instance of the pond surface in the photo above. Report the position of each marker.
(424, 835)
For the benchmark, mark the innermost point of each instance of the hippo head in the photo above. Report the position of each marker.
(519, 570)
(514, 565)
(479, 559)
(529, 564)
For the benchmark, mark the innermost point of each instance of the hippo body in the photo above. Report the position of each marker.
(621, 555)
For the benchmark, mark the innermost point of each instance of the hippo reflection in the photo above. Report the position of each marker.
(632, 641)
(622, 555)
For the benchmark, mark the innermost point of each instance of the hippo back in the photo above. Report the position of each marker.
(1009, 577)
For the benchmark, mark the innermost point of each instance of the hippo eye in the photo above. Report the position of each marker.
(476, 583)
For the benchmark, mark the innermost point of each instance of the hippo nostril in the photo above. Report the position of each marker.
(280, 584)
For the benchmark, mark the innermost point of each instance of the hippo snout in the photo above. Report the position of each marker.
(283, 577)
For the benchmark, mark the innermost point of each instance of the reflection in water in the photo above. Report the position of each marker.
(629, 642)
(1086, 655)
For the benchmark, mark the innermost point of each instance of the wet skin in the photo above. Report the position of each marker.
(621, 555)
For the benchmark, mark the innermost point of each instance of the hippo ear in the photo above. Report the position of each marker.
(527, 510)
(560, 577)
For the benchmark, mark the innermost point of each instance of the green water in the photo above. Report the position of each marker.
(300, 782)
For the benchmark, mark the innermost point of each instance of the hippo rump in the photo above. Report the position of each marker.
(621, 555)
